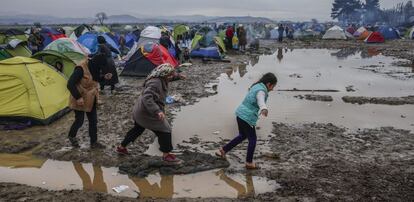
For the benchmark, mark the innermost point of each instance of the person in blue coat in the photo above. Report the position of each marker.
(247, 115)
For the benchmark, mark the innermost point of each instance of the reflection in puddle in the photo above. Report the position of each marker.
(58, 175)
(97, 184)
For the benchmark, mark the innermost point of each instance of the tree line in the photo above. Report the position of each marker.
(370, 12)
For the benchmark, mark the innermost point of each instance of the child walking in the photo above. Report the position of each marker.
(247, 114)
(149, 111)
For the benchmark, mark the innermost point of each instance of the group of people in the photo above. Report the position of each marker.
(149, 109)
(285, 30)
(236, 38)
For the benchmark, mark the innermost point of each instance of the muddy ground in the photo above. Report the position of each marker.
(312, 162)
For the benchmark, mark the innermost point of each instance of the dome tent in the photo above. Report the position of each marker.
(31, 90)
(389, 32)
(146, 58)
(335, 32)
(375, 37)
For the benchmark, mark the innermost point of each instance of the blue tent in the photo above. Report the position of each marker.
(115, 37)
(209, 52)
(130, 39)
(49, 35)
(90, 41)
(389, 32)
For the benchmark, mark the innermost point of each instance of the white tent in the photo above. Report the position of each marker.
(274, 33)
(334, 32)
(411, 33)
(150, 34)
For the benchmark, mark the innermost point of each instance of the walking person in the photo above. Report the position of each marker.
(35, 41)
(229, 37)
(109, 74)
(242, 38)
(149, 112)
(280, 30)
(247, 115)
(84, 90)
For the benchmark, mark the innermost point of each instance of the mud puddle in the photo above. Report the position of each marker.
(212, 119)
(63, 175)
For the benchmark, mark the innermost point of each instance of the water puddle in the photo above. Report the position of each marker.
(213, 118)
(60, 175)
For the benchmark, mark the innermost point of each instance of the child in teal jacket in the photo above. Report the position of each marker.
(247, 114)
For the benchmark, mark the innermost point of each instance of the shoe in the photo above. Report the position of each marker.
(220, 153)
(171, 158)
(122, 150)
(97, 145)
(252, 167)
(74, 142)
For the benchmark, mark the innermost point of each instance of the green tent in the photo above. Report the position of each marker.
(10, 34)
(180, 30)
(31, 90)
(409, 34)
(64, 45)
(67, 60)
(101, 29)
(220, 43)
(196, 40)
(15, 48)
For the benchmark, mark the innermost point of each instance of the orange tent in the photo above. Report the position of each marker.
(364, 35)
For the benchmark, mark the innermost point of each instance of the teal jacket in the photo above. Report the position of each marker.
(249, 109)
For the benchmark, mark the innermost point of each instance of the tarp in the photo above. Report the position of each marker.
(31, 90)
(375, 37)
(389, 32)
(334, 32)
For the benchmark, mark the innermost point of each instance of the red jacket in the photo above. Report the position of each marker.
(229, 32)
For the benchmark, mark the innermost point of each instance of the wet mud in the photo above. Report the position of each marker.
(192, 162)
(322, 98)
(327, 162)
(408, 100)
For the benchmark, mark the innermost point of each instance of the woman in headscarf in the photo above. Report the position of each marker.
(109, 75)
(149, 111)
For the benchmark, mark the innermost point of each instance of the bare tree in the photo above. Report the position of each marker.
(101, 17)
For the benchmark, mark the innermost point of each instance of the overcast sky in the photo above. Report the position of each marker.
(274, 9)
